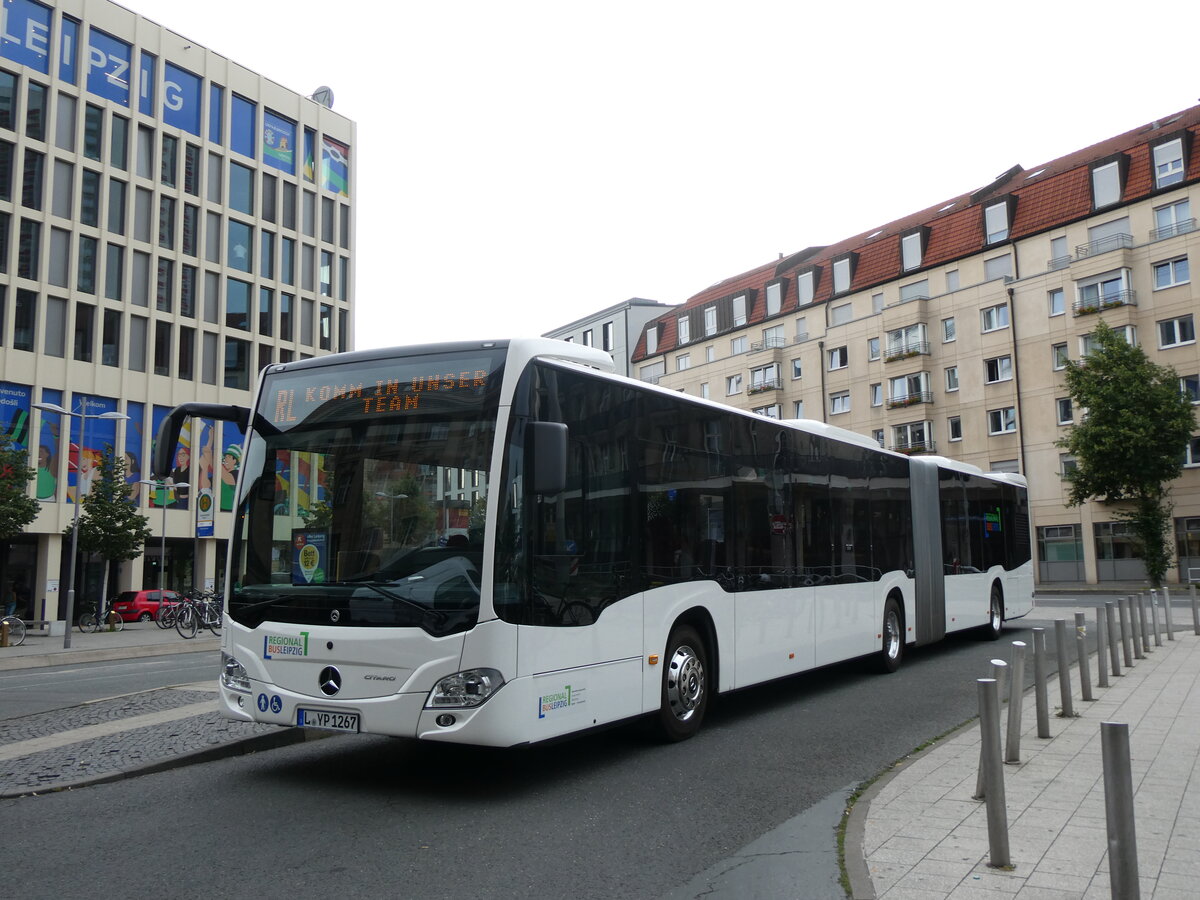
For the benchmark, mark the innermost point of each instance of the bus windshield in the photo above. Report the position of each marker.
(362, 501)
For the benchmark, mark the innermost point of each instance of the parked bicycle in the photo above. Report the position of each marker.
(199, 609)
(16, 630)
(93, 619)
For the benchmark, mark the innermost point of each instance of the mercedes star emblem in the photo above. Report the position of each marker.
(330, 681)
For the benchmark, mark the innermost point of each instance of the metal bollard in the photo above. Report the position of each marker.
(1039, 683)
(1110, 621)
(1118, 811)
(998, 667)
(1167, 613)
(1016, 690)
(3, 634)
(1101, 649)
(1154, 618)
(1144, 623)
(1064, 669)
(1135, 626)
(1081, 651)
(1126, 651)
(989, 732)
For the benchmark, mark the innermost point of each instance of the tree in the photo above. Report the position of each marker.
(1130, 441)
(17, 508)
(109, 524)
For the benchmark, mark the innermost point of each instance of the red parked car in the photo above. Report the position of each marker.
(142, 606)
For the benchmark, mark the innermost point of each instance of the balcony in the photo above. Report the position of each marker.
(1059, 262)
(771, 343)
(1183, 227)
(1104, 245)
(1108, 301)
(907, 351)
(911, 447)
(902, 400)
(767, 384)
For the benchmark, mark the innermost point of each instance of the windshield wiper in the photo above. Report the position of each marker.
(438, 617)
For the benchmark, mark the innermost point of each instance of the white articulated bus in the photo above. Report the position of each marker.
(513, 544)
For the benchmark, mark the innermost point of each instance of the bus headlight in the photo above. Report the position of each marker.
(465, 689)
(233, 674)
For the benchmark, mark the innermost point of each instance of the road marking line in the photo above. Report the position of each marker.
(103, 729)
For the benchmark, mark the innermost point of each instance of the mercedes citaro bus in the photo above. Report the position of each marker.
(504, 542)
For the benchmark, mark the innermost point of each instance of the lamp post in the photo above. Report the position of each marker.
(162, 560)
(391, 499)
(113, 416)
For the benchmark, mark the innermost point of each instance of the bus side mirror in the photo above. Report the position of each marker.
(547, 443)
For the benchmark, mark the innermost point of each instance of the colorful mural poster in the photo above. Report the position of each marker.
(310, 481)
(205, 497)
(91, 438)
(135, 433)
(310, 556)
(310, 155)
(49, 447)
(231, 461)
(15, 407)
(283, 482)
(279, 142)
(181, 464)
(335, 166)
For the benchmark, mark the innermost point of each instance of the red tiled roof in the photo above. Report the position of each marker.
(1047, 196)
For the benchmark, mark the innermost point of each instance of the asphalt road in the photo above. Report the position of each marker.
(606, 815)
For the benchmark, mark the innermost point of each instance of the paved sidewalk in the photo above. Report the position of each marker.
(136, 639)
(923, 836)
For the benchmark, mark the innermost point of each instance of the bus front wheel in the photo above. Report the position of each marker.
(685, 685)
(891, 652)
(995, 625)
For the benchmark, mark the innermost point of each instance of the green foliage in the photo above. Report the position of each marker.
(108, 523)
(17, 508)
(1130, 441)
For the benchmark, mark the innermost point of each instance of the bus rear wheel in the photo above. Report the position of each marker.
(685, 685)
(891, 653)
(995, 624)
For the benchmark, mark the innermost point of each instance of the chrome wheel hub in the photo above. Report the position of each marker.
(685, 683)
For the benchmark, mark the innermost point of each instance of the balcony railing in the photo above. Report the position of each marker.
(770, 343)
(1104, 245)
(1183, 227)
(767, 384)
(912, 399)
(1059, 262)
(1108, 301)
(907, 351)
(911, 447)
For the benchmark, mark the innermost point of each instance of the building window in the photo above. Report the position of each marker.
(739, 310)
(909, 389)
(918, 290)
(710, 321)
(1087, 342)
(912, 436)
(704, 390)
(1058, 356)
(1172, 219)
(683, 361)
(839, 402)
(878, 435)
(997, 369)
(954, 428)
(843, 273)
(949, 332)
(684, 329)
(910, 251)
(993, 318)
(840, 315)
(587, 337)
(797, 409)
(997, 267)
(1189, 386)
(952, 281)
(839, 358)
(606, 335)
(802, 329)
(774, 298)
(909, 341)
(771, 412)
(710, 353)
(1171, 273)
(952, 379)
(653, 372)
(1066, 465)
(1177, 331)
(877, 394)
(797, 369)
(652, 339)
(873, 349)
(1191, 456)
(995, 220)
(877, 302)
(1002, 421)
(806, 287)
(1057, 302)
(737, 345)
(733, 385)
(1065, 413)
(773, 337)
(1168, 163)
(1106, 185)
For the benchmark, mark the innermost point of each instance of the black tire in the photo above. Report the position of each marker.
(16, 631)
(685, 685)
(87, 623)
(995, 626)
(891, 649)
(145, 617)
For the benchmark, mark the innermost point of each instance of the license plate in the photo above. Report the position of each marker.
(327, 720)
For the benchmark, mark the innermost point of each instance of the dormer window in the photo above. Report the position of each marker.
(806, 286)
(775, 291)
(710, 321)
(912, 249)
(652, 338)
(739, 310)
(998, 218)
(843, 272)
(684, 331)
(1168, 163)
(1108, 175)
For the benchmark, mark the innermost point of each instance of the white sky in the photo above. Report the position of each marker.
(522, 164)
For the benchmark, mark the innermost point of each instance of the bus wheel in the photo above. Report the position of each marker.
(685, 685)
(891, 653)
(995, 624)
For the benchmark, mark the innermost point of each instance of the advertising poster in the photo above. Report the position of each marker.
(310, 556)
(310, 155)
(15, 407)
(135, 430)
(283, 482)
(181, 99)
(181, 463)
(335, 166)
(205, 497)
(26, 34)
(49, 447)
(108, 67)
(231, 462)
(279, 142)
(90, 439)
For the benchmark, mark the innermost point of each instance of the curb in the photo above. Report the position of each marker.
(136, 651)
(284, 737)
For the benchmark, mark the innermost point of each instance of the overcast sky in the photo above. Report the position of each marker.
(522, 164)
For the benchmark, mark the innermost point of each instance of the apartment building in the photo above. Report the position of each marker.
(613, 329)
(171, 222)
(946, 332)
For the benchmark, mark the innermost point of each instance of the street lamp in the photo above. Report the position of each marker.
(391, 499)
(162, 485)
(114, 416)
